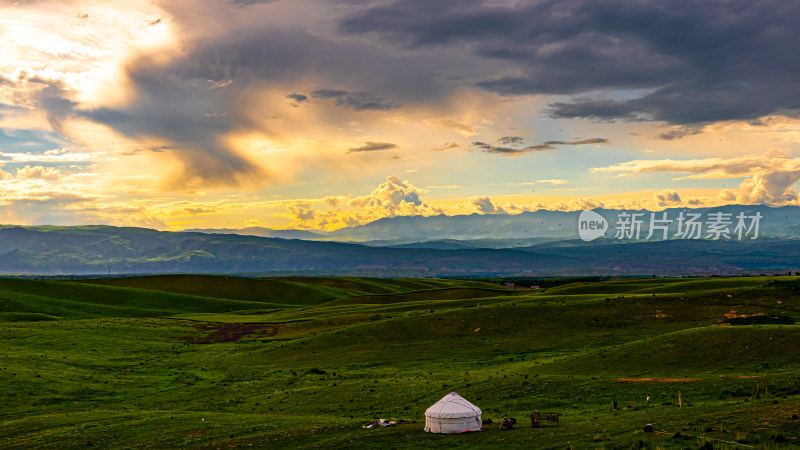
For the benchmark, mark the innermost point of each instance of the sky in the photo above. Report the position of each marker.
(310, 114)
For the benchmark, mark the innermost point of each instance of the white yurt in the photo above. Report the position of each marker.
(452, 414)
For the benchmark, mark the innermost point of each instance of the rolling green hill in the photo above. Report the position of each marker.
(225, 362)
(268, 290)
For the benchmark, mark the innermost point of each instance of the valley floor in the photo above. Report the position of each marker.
(222, 362)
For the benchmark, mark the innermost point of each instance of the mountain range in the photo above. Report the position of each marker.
(540, 243)
(531, 227)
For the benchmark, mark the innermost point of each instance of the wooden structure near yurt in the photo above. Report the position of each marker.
(537, 418)
(452, 414)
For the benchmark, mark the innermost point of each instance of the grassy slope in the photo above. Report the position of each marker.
(237, 288)
(117, 375)
(76, 300)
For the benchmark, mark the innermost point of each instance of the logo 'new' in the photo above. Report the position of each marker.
(591, 225)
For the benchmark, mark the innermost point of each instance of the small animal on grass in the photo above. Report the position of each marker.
(508, 424)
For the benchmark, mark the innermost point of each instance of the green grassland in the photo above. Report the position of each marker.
(189, 361)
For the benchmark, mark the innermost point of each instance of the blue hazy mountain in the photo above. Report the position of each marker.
(776, 222)
(104, 249)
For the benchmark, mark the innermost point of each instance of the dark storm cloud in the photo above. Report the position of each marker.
(207, 93)
(182, 108)
(200, 97)
(692, 61)
(373, 146)
(518, 149)
(359, 101)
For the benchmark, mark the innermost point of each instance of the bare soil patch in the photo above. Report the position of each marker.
(231, 332)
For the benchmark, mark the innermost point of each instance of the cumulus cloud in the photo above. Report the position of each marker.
(333, 202)
(580, 204)
(38, 172)
(769, 189)
(302, 213)
(484, 205)
(667, 197)
(394, 197)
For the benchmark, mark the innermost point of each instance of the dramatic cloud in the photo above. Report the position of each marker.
(686, 57)
(180, 112)
(371, 146)
(195, 99)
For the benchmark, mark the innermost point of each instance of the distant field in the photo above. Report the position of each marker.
(200, 361)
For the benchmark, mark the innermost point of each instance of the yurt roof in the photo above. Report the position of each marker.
(453, 406)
